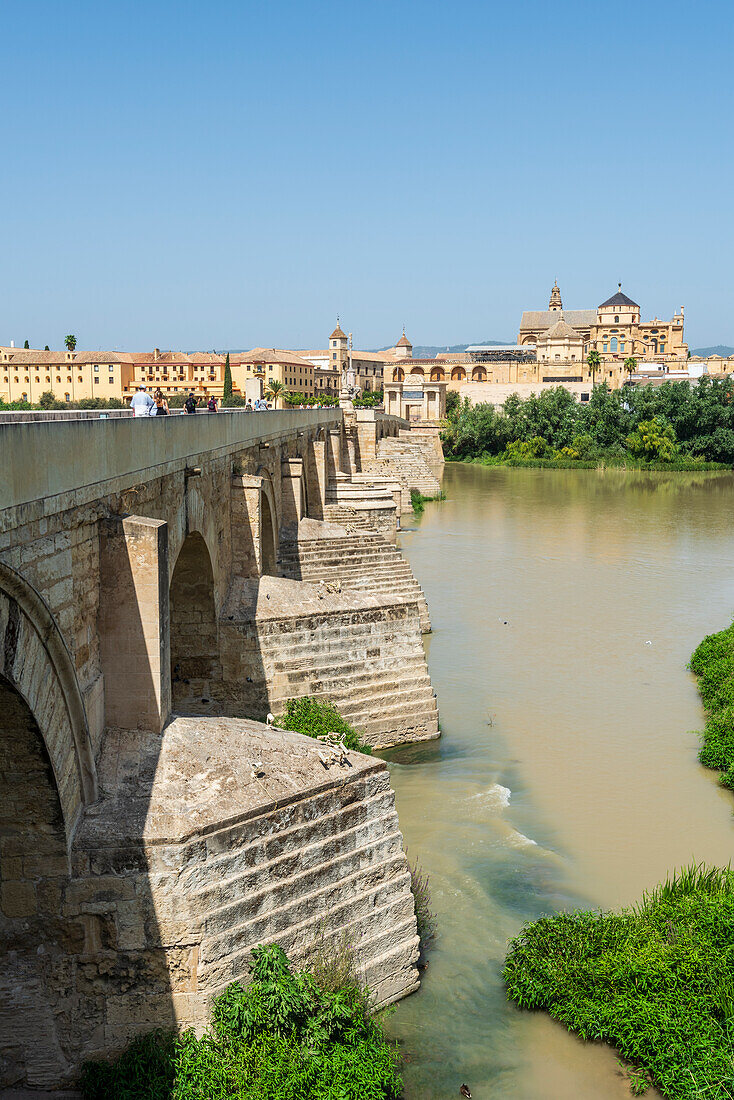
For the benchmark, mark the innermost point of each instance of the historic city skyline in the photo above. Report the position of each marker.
(191, 179)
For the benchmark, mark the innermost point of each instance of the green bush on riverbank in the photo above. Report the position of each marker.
(657, 981)
(713, 663)
(282, 1037)
(672, 426)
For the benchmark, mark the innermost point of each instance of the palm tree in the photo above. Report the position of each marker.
(593, 362)
(70, 342)
(630, 365)
(273, 391)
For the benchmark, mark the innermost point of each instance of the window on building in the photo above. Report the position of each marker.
(48, 377)
(80, 378)
(613, 344)
(67, 397)
(605, 347)
(96, 367)
(111, 381)
(37, 379)
(24, 397)
(621, 345)
(584, 397)
(111, 367)
(333, 355)
(96, 381)
(68, 378)
(662, 346)
(58, 377)
(616, 320)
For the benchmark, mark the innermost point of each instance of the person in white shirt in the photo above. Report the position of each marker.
(141, 402)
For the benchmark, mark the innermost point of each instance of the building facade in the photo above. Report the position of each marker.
(614, 329)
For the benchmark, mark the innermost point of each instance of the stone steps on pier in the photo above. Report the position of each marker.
(366, 562)
(332, 861)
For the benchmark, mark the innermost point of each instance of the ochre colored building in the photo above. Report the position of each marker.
(614, 329)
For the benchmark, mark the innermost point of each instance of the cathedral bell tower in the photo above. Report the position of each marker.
(338, 349)
(555, 305)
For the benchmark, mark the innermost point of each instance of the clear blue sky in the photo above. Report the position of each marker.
(210, 175)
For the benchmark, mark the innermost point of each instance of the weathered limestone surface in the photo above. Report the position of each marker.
(361, 560)
(138, 864)
(185, 863)
(363, 652)
(413, 463)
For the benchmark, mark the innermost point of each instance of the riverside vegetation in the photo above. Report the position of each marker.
(713, 664)
(676, 425)
(655, 981)
(282, 1037)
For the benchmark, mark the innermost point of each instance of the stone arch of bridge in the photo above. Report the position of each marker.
(268, 525)
(196, 669)
(35, 662)
(34, 869)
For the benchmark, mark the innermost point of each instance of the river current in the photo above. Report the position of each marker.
(565, 606)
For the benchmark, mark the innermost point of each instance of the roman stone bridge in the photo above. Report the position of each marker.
(164, 583)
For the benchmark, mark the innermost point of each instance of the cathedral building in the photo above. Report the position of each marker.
(614, 329)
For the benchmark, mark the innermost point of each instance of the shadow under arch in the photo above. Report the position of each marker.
(35, 661)
(34, 869)
(269, 541)
(196, 669)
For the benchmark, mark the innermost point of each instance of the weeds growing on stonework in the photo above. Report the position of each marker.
(420, 884)
(655, 981)
(419, 500)
(282, 1037)
(314, 718)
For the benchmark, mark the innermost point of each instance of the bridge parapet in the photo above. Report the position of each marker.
(68, 463)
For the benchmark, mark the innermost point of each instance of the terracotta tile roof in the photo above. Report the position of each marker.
(272, 355)
(544, 318)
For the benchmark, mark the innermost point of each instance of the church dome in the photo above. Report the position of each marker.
(561, 330)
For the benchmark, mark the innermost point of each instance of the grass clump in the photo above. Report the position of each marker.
(313, 717)
(656, 981)
(713, 664)
(282, 1037)
(420, 885)
(419, 500)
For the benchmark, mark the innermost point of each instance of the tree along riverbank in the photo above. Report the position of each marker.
(674, 426)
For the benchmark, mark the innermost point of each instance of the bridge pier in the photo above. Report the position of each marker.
(128, 903)
(134, 627)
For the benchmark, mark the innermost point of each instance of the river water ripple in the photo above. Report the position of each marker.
(565, 606)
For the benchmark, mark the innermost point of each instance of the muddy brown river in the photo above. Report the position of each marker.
(565, 606)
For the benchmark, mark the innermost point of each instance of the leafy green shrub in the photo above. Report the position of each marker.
(713, 664)
(653, 439)
(282, 1037)
(314, 718)
(656, 981)
(145, 1071)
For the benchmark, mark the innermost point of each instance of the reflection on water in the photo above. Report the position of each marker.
(565, 607)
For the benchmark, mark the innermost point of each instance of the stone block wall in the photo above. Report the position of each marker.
(185, 864)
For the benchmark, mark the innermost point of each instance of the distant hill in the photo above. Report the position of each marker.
(718, 349)
(430, 351)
